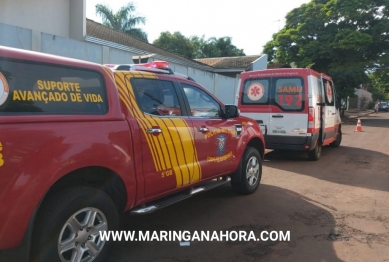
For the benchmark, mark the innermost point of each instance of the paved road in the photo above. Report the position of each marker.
(337, 208)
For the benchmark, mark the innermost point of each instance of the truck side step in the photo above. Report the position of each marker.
(177, 198)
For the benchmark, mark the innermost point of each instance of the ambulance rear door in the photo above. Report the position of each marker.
(254, 97)
(288, 118)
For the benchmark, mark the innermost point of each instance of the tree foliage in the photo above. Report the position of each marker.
(379, 84)
(176, 43)
(342, 38)
(197, 47)
(124, 20)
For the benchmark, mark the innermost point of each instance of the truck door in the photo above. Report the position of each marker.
(166, 136)
(329, 113)
(216, 137)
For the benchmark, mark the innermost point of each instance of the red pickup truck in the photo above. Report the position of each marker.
(81, 142)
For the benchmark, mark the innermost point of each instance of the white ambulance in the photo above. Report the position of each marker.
(296, 108)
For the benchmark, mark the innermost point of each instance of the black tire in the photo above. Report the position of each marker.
(315, 153)
(338, 139)
(251, 162)
(59, 210)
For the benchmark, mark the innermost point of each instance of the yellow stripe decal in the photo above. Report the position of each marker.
(142, 125)
(174, 148)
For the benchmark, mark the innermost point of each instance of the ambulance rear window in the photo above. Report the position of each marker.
(40, 88)
(256, 92)
(289, 94)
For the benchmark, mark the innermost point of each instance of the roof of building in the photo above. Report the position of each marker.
(99, 31)
(237, 62)
(96, 32)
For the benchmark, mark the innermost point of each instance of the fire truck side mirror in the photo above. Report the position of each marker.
(231, 111)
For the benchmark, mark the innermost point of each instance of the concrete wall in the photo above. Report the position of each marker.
(179, 68)
(59, 26)
(206, 79)
(222, 86)
(56, 45)
(119, 56)
(17, 37)
(64, 18)
(260, 63)
(225, 89)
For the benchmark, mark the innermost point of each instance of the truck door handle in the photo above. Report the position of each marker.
(277, 116)
(333, 113)
(154, 130)
(203, 129)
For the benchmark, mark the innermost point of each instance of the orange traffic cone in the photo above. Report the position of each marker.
(359, 126)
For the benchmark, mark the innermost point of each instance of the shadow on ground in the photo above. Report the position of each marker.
(376, 120)
(270, 208)
(344, 165)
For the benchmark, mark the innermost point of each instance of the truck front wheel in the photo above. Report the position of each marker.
(68, 226)
(248, 176)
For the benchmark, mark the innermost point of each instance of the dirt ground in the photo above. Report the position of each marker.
(337, 208)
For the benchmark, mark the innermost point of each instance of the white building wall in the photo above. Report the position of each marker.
(260, 63)
(65, 18)
(117, 56)
(49, 16)
(56, 45)
(222, 86)
(204, 78)
(225, 89)
(179, 68)
(16, 37)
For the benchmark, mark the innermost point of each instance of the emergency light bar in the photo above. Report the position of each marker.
(156, 67)
(155, 64)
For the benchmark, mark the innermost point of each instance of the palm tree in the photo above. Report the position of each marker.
(124, 20)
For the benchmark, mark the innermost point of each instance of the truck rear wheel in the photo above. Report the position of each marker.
(248, 176)
(68, 226)
(315, 153)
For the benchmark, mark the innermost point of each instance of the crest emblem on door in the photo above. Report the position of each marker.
(221, 144)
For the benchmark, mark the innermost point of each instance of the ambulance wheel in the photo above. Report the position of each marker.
(248, 176)
(68, 226)
(338, 139)
(315, 153)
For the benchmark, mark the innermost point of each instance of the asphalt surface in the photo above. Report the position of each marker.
(337, 209)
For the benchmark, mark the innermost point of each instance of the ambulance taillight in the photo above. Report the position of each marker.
(311, 120)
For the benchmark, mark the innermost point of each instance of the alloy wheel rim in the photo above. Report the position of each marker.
(252, 171)
(79, 239)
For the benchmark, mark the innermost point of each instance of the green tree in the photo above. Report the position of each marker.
(197, 47)
(379, 85)
(342, 38)
(176, 43)
(124, 20)
(221, 47)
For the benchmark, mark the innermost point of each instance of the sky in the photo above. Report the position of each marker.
(250, 23)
